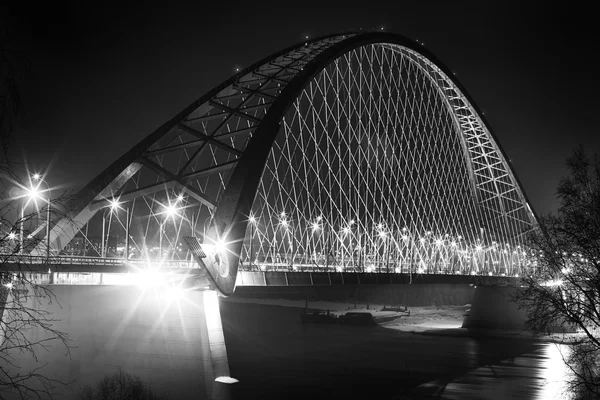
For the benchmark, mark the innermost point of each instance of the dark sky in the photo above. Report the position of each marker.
(103, 78)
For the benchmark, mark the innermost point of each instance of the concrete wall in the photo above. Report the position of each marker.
(436, 294)
(492, 308)
(112, 327)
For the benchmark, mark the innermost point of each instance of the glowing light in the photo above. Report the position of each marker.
(33, 192)
(319, 218)
(171, 210)
(382, 234)
(226, 379)
(36, 177)
(172, 294)
(478, 247)
(553, 283)
(252, 219)
(12, 236)
(397, 270)
(180, 197)
(379, 226)
(220, 246)
(438, 242)
(8, 285)
(346, 230)
(404, 237)
(453, 243)
(114, 204)
(148, 279)
(566, 270)
(282, 214)
(284, 223)
(315, 226)
(351, 222)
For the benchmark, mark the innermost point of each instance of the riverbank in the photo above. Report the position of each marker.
(426, 320)
(274, 356)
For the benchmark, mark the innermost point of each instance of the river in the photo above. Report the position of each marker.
(275, 356)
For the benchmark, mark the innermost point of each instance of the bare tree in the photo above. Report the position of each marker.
(120, 386)
(26, 328)
(563, 290)
(23, 290)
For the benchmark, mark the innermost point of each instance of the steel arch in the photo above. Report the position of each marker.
(253, 103)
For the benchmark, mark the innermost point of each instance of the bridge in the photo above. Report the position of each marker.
(356, 154)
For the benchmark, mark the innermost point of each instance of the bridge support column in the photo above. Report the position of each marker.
(221, 388)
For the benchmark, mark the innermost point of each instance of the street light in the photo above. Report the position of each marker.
(252, 221)
(386, 249)
(33, 193)
(170, 210)
(285, 234)
(37, 177)
(114, 205)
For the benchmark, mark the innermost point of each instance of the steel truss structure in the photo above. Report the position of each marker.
(356, 151)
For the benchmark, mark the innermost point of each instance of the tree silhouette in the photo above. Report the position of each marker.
(563, 291)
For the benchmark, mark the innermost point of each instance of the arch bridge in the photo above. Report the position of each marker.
(355, 152)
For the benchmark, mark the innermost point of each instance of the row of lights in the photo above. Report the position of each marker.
(382, 233)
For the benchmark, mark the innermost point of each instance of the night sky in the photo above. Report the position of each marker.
(103, 78)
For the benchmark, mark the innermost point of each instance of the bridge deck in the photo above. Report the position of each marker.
(88, 270)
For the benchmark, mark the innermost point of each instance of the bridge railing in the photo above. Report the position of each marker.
(248, 267)
(95, 261)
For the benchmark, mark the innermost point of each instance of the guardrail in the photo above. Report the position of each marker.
(93, 261)
(90, 262)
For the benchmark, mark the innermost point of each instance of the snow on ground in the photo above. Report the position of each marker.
(420, 319)
(446, 320)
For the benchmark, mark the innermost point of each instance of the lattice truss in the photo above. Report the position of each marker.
(171, 190)
(380, 164)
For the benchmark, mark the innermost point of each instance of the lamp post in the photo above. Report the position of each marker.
(32, 193)
(126, 251)
(170, 210)
(113, 207)
(382, 254)
(38, 178)
(252, 221)
(21, 229)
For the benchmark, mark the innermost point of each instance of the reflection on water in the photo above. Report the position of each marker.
(537, 374)
(554, 372)
(275, 356)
